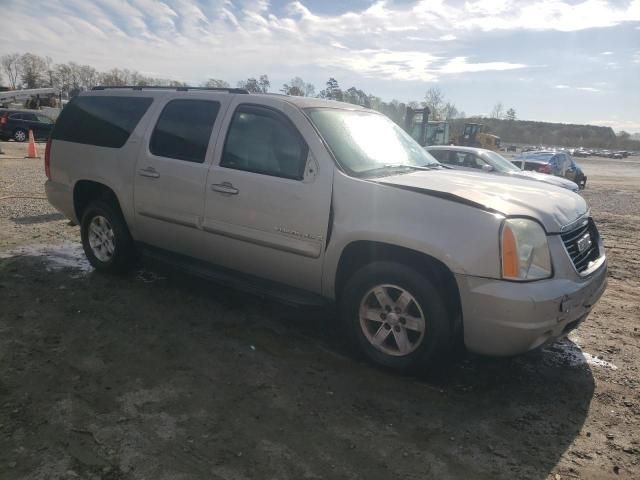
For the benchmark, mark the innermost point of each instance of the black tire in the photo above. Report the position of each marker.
(123, 256)
(438, 324)
(20, 135)
(583, 183)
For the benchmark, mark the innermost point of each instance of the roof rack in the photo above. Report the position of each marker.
(179, 89)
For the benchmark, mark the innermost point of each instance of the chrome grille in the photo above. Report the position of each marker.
(582, 248)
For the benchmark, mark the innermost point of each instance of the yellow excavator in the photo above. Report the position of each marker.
(473, 136)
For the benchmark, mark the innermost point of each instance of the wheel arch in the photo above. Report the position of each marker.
(86, 191)
(359, 253)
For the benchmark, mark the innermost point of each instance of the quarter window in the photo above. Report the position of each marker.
(104, 121)
(183, 130)
(261, 140)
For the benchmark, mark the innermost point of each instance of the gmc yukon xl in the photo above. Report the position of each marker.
(320, 201)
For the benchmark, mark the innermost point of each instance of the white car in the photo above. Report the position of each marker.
(471, 158)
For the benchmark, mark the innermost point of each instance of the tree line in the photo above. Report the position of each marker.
(33, 71)
(29, 70)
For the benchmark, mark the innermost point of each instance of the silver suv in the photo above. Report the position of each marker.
(319, 201)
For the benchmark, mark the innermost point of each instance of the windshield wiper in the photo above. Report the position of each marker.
(401, 166)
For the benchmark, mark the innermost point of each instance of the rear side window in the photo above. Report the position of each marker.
(16, 116)
(264, 141)
(183, 130)
(101, 121)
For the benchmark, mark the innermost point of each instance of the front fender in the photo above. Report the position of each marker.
(463, 237)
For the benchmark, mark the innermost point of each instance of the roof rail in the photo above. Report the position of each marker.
(179, 89)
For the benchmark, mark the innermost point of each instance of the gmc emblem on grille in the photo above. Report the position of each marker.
(584, 242)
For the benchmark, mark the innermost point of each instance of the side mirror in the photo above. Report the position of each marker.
(487, 168)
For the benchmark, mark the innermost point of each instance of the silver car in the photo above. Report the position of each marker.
(471, 158)
(316, 201)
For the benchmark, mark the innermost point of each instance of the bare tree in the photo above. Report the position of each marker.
(299, 88)
(34, 70)
(12, 67)
(256, 86)
(449, 111)
(216, 83)
(497, 111)
(50, 71)
(434, 99)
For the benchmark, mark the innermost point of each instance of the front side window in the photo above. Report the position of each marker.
(183, 130)
(469, 160)
(261, 140)
(365, 143)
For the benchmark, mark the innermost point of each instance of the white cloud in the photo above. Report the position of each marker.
(192, 41)
(584, 89)
(606, 53)
(460, 65)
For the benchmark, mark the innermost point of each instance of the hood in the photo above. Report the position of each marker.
(550, 179)
(551, 206)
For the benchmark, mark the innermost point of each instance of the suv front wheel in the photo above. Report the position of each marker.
(106, 240)
(395, 315)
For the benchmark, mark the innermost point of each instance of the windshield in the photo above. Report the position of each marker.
(363, 142)
(500, 163)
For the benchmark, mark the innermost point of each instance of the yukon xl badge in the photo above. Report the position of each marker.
(584, 242)
(297, 234)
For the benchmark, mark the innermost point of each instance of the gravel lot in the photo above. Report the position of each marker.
(158, 375)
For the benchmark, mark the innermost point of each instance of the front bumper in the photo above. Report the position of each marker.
(507, 318)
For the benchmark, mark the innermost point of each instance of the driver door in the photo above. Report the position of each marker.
(268, 198)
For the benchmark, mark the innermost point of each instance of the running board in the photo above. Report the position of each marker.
(231, 278)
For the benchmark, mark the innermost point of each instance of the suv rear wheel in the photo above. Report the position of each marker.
(395, 315)
(106, 240)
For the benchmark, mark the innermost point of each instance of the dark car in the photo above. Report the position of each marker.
(559, 164)
(15, 124)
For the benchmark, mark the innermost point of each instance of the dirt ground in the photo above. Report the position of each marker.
(158, 375)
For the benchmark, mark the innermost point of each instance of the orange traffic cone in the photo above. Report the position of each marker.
(32, 151)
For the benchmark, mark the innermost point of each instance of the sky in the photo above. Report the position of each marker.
(572, 61)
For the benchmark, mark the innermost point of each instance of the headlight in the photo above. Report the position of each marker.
(524, 250)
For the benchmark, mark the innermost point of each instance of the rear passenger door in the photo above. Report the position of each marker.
(268, 195)
(171, 172)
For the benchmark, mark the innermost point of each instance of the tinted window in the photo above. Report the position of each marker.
(30, 117)
(16, 116)
(183, 130)
(263, 141)
(441, 155)
(101, 121)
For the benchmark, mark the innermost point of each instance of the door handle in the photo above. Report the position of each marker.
(224, 187)
(148, 172)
